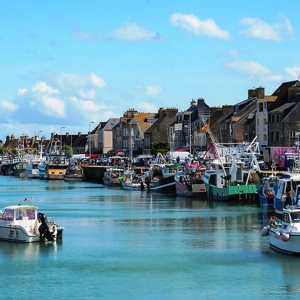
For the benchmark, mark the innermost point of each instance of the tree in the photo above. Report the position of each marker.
(68, 149)
(161, 147)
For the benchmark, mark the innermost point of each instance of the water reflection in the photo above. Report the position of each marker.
(26, 251)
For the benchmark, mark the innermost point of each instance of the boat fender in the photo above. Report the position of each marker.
(285, 237)
(277, 234)
(265, 231)
(283, 198)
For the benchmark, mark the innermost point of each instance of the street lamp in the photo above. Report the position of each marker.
(61, 138)
(90, 150)
(38, 141)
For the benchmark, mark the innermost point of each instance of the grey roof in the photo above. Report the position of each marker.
(111, 123)
(282, 107)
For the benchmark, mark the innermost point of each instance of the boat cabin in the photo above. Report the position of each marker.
(18, 213)
(291, 216)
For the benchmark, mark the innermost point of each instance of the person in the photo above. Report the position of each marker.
(178, 159)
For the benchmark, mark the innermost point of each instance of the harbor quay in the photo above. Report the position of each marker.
(94, 173)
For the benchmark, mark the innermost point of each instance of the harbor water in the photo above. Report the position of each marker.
(137, 245)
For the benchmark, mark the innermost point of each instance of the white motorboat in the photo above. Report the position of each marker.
(285, 236)
(23, 223)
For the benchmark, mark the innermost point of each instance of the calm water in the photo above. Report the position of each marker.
(133, 245)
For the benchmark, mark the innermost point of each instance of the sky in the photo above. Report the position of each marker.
(66, 64)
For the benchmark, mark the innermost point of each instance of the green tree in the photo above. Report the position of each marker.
(161, 147)
(68, 149)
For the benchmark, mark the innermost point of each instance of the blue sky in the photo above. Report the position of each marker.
(68, 63)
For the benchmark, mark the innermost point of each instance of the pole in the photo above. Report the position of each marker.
(61, 139)
(190, 129)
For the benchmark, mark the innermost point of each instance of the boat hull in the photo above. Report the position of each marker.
(21, 235)
(183, 189)
(164, 185)
(231, 193)
(292, 246)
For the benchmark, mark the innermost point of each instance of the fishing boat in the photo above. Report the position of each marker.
(111, 176)
(189, 183)
(33, 171)
(131, 181)
(285, 235)
(74, 172)
(161, 177)
(42, 170)
(23, 223)
(56, 166)
(233, 177)
(265, 190)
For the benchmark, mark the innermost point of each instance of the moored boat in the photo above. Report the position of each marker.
(131, 181)
(23, 223)
(232, 178)
(111, 176)
(161, 177)
(74, 172)
(285, 235)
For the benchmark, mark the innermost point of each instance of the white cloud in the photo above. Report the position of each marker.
(53, 106)
(252, 70)
(258, 29)
(42, 87)
(153, 90)
(146, 107)
(89, 94)
(8, 106)
(293, 72)
(130, 31)
(22, 92)
(97, 81)
(192, 23)
(134, 33)
(150, 90)
(84, 35)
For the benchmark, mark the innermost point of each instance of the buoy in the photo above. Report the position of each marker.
(265, 231)
(277, 235)
(285, 237)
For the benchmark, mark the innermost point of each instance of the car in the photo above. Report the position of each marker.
(142, 160)
(103, 161)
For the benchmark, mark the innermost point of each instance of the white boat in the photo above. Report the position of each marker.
(23, 223)
(284, 191)
(285, 236)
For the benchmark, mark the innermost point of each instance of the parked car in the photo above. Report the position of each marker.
(142, 161)
(103, 161)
